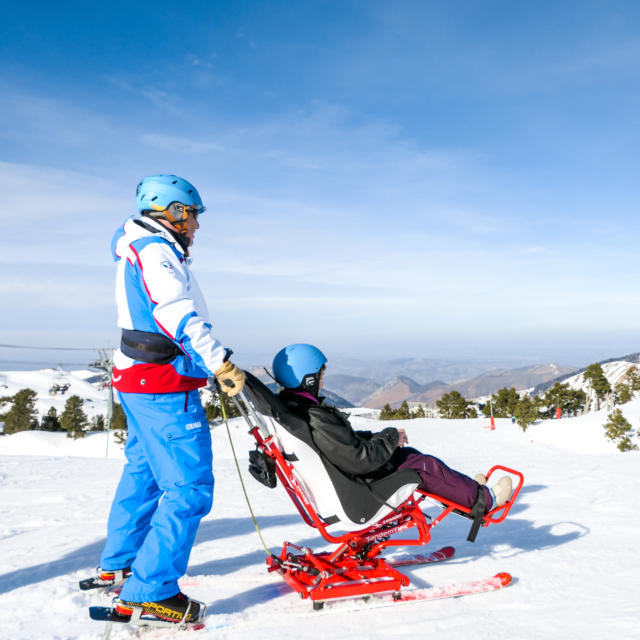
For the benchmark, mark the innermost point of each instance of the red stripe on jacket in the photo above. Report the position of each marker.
(153, 378)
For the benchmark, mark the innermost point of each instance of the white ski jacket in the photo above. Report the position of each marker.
(157, 293)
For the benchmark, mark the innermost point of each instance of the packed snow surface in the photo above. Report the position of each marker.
(571, 541)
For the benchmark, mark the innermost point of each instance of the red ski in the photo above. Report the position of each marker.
(420, 558)
(494, 583)
(355, 605)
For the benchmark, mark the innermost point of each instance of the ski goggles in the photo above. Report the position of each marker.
(179, 211)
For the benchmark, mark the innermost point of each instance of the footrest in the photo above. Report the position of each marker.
(500, 513)
(495, 515)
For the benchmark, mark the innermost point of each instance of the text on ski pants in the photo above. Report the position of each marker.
(165, 490)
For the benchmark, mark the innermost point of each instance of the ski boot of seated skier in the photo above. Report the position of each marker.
(299, 369)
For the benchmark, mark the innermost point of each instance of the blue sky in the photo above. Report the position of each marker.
(382, 178)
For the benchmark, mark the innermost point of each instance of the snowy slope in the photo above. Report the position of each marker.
(570, 541)
(614, 372)
(95, 400)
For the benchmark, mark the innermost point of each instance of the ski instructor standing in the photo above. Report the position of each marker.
(167, 352)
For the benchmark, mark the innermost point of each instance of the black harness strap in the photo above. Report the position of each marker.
(148, 347)
(477, 513)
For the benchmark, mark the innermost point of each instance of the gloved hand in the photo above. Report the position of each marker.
(403, 439)
(231, 378)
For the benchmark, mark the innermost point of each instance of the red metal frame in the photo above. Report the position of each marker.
(355, 567)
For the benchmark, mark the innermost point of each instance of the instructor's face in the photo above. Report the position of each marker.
(192, 227)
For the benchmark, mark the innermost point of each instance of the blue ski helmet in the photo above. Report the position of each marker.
(294, 364)
(156, 193)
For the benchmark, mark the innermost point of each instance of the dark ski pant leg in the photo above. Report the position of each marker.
(440, 479)
(177, 448)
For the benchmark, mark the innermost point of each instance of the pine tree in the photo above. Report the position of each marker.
(455, 405)
(386, 413)
(619, 428)
(118, 418)
(504, 403)
(525, 412)
(23, 415)
(571, 401)
(119, 423)
(50, 421)
(622, 392)
(403, 413)
(230, 406)
(4, 400)
(213, 408)
(98, 423)
(633, 378)
(627, 386)
(419, 412)
(73, 419)
(599, 383)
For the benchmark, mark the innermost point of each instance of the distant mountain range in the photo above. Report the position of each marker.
(346, 390)
(402, 388)
(482, 385)
(395, 381)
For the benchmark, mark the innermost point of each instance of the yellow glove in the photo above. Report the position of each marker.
(231, 378)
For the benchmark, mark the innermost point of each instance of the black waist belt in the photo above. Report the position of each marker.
(148, 347)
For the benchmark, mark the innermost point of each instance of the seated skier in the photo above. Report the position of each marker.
(299, 369)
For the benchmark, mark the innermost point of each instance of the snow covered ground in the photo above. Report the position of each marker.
(41, 381)
(570, 541)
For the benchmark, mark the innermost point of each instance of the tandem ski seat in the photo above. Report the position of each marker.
(360, 518)
(337, 498)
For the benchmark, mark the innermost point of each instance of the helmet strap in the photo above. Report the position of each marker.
(311, 382)
(179, 236)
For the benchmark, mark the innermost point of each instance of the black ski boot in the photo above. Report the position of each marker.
(177, 609)
(105, 579)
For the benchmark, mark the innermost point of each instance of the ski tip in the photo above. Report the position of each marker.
(106, 614)
(100, 613)
(504, 578)
(442, 554)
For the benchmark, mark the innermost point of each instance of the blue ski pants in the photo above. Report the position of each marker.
(165, 490)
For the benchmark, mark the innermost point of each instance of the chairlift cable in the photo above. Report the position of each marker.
(22, 346)
(244, 489)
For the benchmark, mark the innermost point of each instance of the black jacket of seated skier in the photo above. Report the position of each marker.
(374, 455)
(358, 453)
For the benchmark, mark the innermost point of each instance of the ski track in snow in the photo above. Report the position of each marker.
(570, 541)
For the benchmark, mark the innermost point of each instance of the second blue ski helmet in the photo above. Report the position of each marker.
(295, 365)
(156, 193)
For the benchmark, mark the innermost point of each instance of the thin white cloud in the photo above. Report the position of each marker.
(178, 144)
(303, 202)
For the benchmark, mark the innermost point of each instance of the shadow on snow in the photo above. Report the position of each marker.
(88, 555)
(503, 541)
